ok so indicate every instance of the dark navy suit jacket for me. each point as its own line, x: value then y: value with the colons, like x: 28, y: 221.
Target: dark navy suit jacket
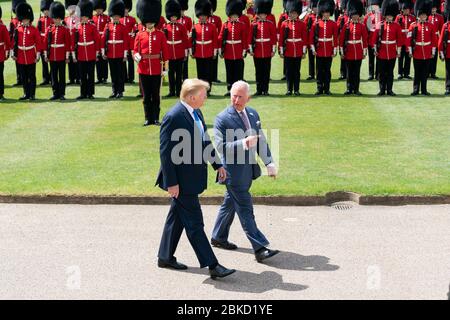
x: 191, y: 174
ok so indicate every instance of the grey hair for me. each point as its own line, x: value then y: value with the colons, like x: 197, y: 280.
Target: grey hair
x: 239, y: 84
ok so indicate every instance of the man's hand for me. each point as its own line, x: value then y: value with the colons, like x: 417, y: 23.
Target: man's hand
x: 271, y: 170
x: 251, y: 141
x: 174, y: 191
x: 222, y: 174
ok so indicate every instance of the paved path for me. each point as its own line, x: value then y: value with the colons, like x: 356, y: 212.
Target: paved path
x: 109, y: 252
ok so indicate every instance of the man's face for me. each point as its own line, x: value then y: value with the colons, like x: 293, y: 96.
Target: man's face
x: 293, y: 15
x: 45, y: 12
x: 99, y: 11
x: 406, y: 11
x: 262, y: 16
x: 326, y: 15
x: 389, y: 18
x: 197, y: 100
x: 234, y: 17
x: 26, y: 21
x: 173, y: 18
x: 423, y: 16
x: 239, y: 98
x: 116, y: 18
x: 57, y: 21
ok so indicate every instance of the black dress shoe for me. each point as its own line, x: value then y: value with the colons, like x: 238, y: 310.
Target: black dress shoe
x: 81, y: 97
x: 32, y: 98
x: 119, y: 96
x: 433, y: 76
x: 348, y: 92
x: 391, y: 93
x: 62, y: 98
x: 265, y: 254
x: 98, y: 82
x: 2, y: 97
x: 400, y: 77
x: 227, y: 94
x: 170, y: 95
x: 217, y: 81
x: 258, y: 93
x: 426, y: 93
x: 147, y: 123
x: 17, y: 84
x: 289, y: 93
x: 44, y: 83
x: 54, y: 98
x: 407, y: 77
x: 91, y: 97
x: 358, y: 93
x: 220, y: 271
x: 112, y: 96
x: 414, y: 93
x: 224, y: 245
x: 70, y: 83
x: 328, y: 93
x: 310, y: 78
x: 283, y: 79
x: 296, y: 93
x: 171, y: 264
x: 370, y: 78
x: 318, y: 93
x: 157, y: 123
x: 139, y: 96
x: 266, y: 93
x: 342, y: 77
x: 447, y: 93
x: 380, y: 93
x: 24, y: 97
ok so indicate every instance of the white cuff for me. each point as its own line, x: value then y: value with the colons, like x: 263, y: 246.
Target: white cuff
x: 67, y: 55
x: 73, y: 55
x: 186, y: 52
x: 137, y: 57
x: 274, y: 48
x: 243, y: 52
x: 335, y: 51
x: 103, y: 51
x: 215, y: 52
x: 125, y: 54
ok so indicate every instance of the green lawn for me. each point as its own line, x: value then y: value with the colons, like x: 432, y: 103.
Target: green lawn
x: 369, y: 145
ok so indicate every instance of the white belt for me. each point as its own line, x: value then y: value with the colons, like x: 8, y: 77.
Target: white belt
x: 389, y: 42
x: 175, y: 42
x: 262, y: 40
x: 115, y: 41
x: 204, y: 42
x: 2, y: 43
x: 26, y: 48
x: 294, y: 40
x: 325, y: 39
x: 423, y: 43
x: 448, y: 41
x: 101, y: 32
x: 405, y: 30
x: 233, y: 41
x: 57, y: 45
x: 43, y: 34
x: 354, y: 41
x: 85, y: 43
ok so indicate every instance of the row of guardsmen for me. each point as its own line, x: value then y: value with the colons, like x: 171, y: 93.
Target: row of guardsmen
x: 84, y: 42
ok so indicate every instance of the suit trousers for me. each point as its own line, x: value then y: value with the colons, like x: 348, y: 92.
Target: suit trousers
x: 421, y: 71
x: 102, y: 69
x: 324, y: 73
x: 28, y: 79
x: 185, y: 213
x: 175, y: 76
x: 262, y: 73
x: 86, y: 72
x: 353, y: 75
x: 293, y: 66
x: 404, y: 63
x: 151, y: 86
x: 386, y: 77
x: 117, y: 75
x: 58, y: 74
x: 238, y: 200
x: 235, y: 71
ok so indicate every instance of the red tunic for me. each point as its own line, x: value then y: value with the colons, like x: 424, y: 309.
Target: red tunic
x: 263, y: 38
x: 327, y: 40
x: 152, y: 47
x: 437, y: 20
x: 284, y: 16
x: 28, y: 44
x: 206, y: 42
x: 88, y: 42
x: 100, y: 21
x: 177, y: 40
x: 391, y: 41
x: 217, y: 21
x: 117, y: 44
x: 131, y: 27
x: 236, y: 40
x: 161, y: 23
x: 405, y: 22
x: 59, y: 47
x: 296, y: 40
x: 374, y: 24
x: 425, y: 40
x: 42, y: 25
x: 356, y: 42
x: 5, y: 44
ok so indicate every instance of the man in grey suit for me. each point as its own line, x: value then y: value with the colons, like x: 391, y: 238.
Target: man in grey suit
x: 239, y: 138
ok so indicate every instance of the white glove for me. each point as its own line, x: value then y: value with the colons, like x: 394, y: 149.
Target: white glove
x: 304, y: 50
x: 38, y: 56
x: 137, y: 57
x: 334, y: 51
x: 442, y: 55
x: 125, y: 54
x: 165, y: 73
x: 341, y: 51
x: 271, y: 170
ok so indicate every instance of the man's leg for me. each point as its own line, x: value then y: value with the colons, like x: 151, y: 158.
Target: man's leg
x: 224, y: 219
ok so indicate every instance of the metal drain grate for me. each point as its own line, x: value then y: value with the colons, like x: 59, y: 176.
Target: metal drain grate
x: 343, y: 205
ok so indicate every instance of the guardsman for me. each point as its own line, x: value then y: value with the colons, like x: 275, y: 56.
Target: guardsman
x: 405, y: 19
x: 43, y: 23
x: 437, y: 20
x: 27, y: 49
x: 187, y: 22
x: 13, y: 24
x: 372, y: 22
x: 204, y: 41
x: 263, y: 44
x: 5, y: 47
x: 422, y: 43
x: 283, y: 16
x: 57, y: 49
x: 100, y: 20
x: 444, y: 46
x: 324, y: 42
x: 341, y: 22
x: 353, y: 45
x: 87, y: 43
x: 387, y: 43
x: 72, y: 21
x: 115, y: 47
x: 309, y: 19
x: 233, y: 44
x: 150, y: 51
x: 131, y: 26
x: 244, y: 18
x: 217, y: 21
x: 292, y: 45
x: 178, y: 46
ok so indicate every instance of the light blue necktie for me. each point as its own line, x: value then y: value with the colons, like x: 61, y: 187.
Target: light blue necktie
x: 198, y: 122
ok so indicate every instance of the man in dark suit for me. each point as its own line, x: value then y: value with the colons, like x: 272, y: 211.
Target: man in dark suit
x: 185, y: 149
x: 238, y: 138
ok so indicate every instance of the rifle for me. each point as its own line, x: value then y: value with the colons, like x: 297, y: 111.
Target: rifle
x: 106, y: 39
x: 413, y: 39
x: 224, y: 39
x: 346, y: 36
x: 255, y: 30
x: 380, y: 36
x: 194, y: 39
x: 316, y: 34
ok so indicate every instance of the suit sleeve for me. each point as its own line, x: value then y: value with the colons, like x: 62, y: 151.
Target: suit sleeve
x: 166, y: 145
x: 220, y: 139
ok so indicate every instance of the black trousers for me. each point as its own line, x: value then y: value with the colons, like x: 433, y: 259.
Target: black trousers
x: 45, y: 71
x: 175, y: 76
x: 150, y: 87
x: 117, y: 75
x: 129, y: 72
x: 58, y: 75
x: 185, y: 213
x: 101, y: 67
x: 204, y: 70
x: 433, y: 65
x: 215, y: 68
x: 324, y: 73
x: 235, y: 71
x: 447, y: 74
x: 421, y: 71
x: 404, y: 63
x: 373, y: 68
x: 186, y: 69
x: 343, y: 68
x: 18, y: 73
x: 74, y: 74
x: 2, y: 78
x: 28, y: 79
x: 386, y: 77
x: 86, y: 71
x: 262, y: 73
x: 353, y: 75
x: 311, y: 61
x: 293, y: 66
